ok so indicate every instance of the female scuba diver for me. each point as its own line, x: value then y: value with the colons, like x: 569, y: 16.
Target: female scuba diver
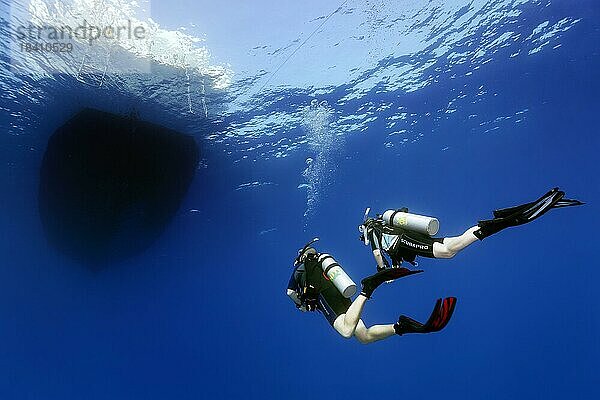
x: 402, y: 236
x: 318, y: 283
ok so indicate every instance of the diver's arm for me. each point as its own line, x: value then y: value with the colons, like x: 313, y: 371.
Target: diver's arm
x: 376, y: 248
x: 294, y: 296
x: 294, y: 288
x: 379, y: 258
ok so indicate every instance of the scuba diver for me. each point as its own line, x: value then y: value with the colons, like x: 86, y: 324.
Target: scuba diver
x: 402, y: 236
x: 318, y: 283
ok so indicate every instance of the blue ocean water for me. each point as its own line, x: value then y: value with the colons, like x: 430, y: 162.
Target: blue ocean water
x: 495, y: 104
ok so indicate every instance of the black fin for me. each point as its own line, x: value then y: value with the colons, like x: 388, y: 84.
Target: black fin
x: 524, y: 213
x: 370, y: 283
x: 506, y: 212
x: 568, y: 203
x: 539, y: 207
x: 509, y: 211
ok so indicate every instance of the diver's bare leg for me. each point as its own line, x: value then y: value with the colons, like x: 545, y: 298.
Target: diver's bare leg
x: 452, y: 245
x: 346, y: 323
x: 374, y: 333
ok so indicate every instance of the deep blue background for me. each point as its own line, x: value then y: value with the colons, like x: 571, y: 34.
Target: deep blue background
x: 204, y: 314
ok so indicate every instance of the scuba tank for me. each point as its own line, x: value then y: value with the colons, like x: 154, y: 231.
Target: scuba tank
x: 337, y: 276
x: 411, y: 222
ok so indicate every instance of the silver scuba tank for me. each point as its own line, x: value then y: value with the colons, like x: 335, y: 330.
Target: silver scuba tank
x: 337, y: 276
x: 412, y: 222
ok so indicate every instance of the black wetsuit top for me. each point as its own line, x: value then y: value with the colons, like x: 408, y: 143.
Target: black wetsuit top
x: 403, y: 246
x: 330, y: 301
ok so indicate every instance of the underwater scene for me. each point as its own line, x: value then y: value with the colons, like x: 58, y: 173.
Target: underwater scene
x: 299, y: 199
